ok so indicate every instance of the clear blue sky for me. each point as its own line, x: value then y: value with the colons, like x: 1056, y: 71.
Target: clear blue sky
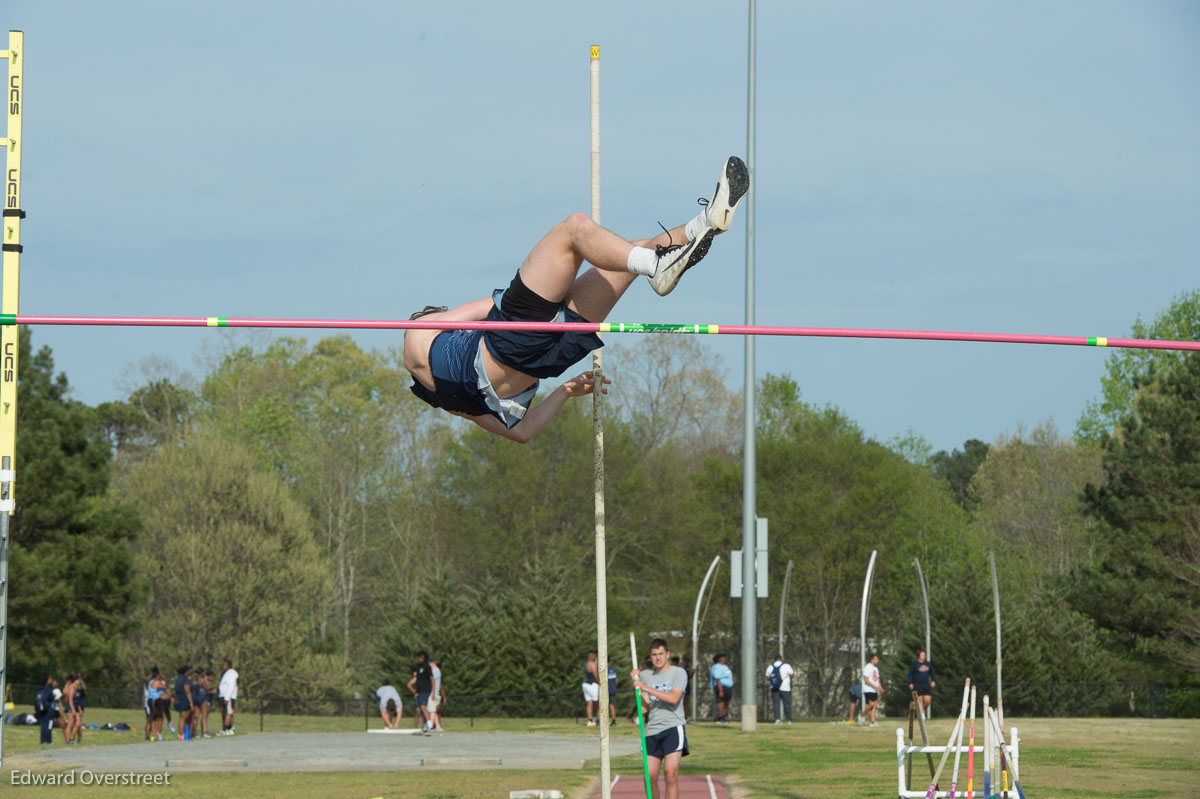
x: 1011, y: 167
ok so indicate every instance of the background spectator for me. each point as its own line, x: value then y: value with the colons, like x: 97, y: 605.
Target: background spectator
x: 720, y: 677
x: 227, y: 691
x: 390, y: 707
x: 779, y: 674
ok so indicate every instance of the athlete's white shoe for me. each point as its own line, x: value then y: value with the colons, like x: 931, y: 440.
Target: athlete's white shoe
x: 676, y: 259
x: 731, y: 189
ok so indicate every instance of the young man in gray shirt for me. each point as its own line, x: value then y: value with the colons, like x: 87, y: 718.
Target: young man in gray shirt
x: 662, y: 691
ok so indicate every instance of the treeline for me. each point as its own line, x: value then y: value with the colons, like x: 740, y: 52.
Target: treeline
x: 298, y: 511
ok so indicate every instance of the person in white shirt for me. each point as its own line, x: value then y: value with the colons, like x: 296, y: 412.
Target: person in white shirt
x: 227, y: 691
x: 390, y: 708
x: 779, y: 675
x: 872, y: 688
x: 437, y: 698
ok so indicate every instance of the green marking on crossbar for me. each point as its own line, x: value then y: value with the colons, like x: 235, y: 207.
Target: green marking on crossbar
x: 650, y: 327
x: 218, y: 321
x: 8, y: 318
x: 1097, y: 341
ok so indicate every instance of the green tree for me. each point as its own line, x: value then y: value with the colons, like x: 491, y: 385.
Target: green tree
x: 338, y: 425
x: 71, y: 571
x: 232, y: 566
x: 155, y: 414
x: 1180, y: 322
x: 670, y: 390
x: 517, y: 632
x: 1145, y: 584
x: 958, y: 467
x: 1028, y: 492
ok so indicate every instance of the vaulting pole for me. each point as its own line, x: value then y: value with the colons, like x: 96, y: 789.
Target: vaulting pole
x: 925, y: 602
x: 598, y: 442
x: 996, y: 601
x: 787, y: 576
x: 696, y: 625
x: 10, y: 335
x: 862, y: 630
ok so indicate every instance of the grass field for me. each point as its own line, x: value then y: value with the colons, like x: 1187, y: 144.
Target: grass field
x: 1093, y: 758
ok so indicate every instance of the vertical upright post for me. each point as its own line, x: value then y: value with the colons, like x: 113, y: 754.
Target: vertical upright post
x: 749, y: 499
x: 787, y: 576
x: 862, y: 629
x: 925, y: 601
x: 598, y: 441
x: 996, y: 602
x: 10, y: 334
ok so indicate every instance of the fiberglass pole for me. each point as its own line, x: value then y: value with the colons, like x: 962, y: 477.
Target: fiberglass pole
x: 925, y: 602
x: 862, y: 629
x: 787, y: 575
x: 696, y: 626
x: 996, y: 602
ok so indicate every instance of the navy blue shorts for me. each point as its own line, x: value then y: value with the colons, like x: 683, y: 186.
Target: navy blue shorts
x: 422, y: 698
x: 452, y: 363
x: 661, y: 744
x: 537, y: 353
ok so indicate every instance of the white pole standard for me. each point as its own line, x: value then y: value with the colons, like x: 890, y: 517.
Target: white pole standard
x: 987, y: 750
x: 11, y: 335
x: 996, y: 602
x: 862, y: 631
x: 696, y: 627
x: 598, y: 439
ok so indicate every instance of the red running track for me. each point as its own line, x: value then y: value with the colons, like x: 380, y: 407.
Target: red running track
x: 691, y: 786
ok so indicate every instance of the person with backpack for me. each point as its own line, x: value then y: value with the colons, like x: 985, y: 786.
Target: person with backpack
x: 780, y: 676
x: 43, y: 708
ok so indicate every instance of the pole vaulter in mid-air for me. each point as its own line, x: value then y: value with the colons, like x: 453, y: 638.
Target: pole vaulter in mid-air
x: 491, y: 377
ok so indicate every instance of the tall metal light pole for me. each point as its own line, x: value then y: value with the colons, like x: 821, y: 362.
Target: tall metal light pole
x: 749, y: 503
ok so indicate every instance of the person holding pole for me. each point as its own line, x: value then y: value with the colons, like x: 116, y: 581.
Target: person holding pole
x: 491, y: 377
x: 661, y: 689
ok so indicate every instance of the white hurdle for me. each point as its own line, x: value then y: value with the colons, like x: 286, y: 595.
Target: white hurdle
x: 1012, y: 751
